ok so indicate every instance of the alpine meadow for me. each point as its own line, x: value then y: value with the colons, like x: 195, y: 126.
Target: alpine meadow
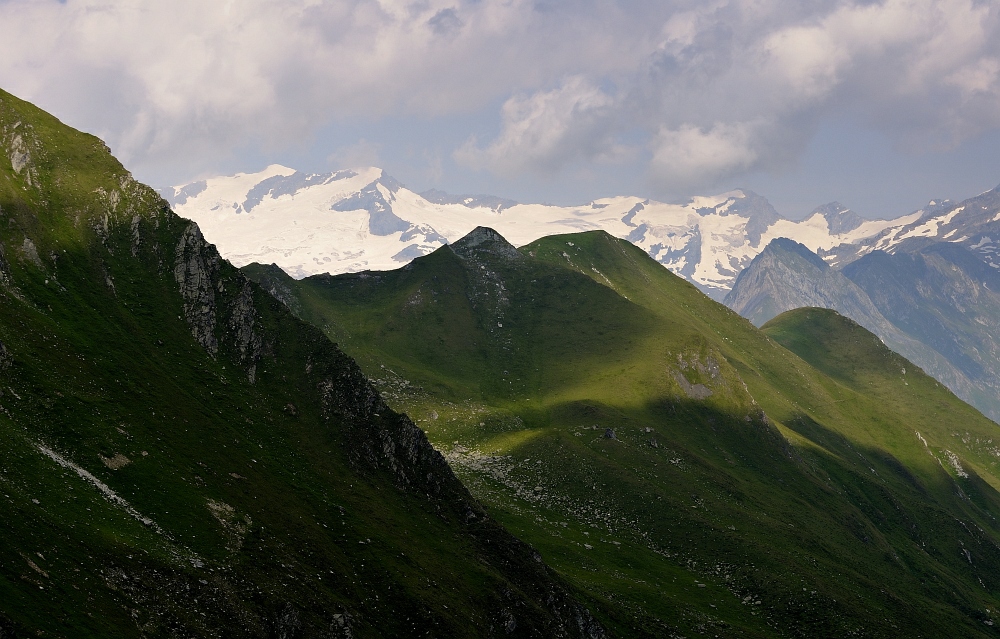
x: 685, y: 471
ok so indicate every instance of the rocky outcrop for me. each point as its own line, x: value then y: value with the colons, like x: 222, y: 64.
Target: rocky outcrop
x: 19, y: 153
x: 383, y: 440
x: 242, y: 330
x: 4, y: 266
x: 5, y: 358
x: 196, y: 270
x: 485, y: 240
x: 29, y: 253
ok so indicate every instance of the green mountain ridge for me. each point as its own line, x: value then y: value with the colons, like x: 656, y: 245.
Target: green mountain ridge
x: 935, y: 302
x: 180, y: 456
x: 786, y: 275
x: 686, y: 470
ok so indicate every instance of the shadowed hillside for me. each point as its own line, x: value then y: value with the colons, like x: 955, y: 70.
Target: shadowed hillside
x: 180, y: 456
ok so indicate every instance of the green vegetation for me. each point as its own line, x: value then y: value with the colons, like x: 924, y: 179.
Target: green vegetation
x: 180, y: 456
x: 688, y: 473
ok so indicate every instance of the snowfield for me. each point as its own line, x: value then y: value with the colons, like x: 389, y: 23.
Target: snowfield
x: 362, y: 219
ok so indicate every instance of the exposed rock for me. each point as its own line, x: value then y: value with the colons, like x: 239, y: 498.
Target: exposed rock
x: 7, y: 628
x: 5, y: 358
x: 340, y: 626
x: 485, y: 240
x: 136, y: 238
x: 4, y: 267
x: 30, y: 253
x: 20, y: 157
x: 235, y: 527
x: 381, y: 439
x: 509, y: 621
x: 116, y: 461
x: 705, y: 371
x: 273, y: 282
x: 609, y: 433
x: 102, y: 227
x: 242, y: 329
x: 890, y: 294
x: 288, y: 624
x: 694, y: 391
x: 495, y: 204
x: 195, y: 271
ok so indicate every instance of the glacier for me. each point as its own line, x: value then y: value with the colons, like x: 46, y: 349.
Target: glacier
x: 362, y: 219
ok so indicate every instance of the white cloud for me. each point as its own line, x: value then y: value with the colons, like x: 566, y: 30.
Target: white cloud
x: 689, y: 157
x: 185, y: 81
x: 547, y: 130
x: 360, y: 154
x: 166, y: 79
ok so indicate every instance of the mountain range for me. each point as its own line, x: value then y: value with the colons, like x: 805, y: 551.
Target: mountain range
x: 930, y: 291
x: 355, y: 220
x: 734, y: 247
x: 556, y: 439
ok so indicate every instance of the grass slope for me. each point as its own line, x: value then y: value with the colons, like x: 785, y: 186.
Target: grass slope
x: 747, y: 490
x: 180, y: 456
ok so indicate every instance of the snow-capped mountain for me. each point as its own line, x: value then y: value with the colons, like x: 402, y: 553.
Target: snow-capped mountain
x: 362, y: 219
x: 973, y: 223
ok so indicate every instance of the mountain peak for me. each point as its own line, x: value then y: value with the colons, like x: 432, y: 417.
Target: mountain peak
x: 791, y: 246
x: 839, y: 218
x: 483, y: 239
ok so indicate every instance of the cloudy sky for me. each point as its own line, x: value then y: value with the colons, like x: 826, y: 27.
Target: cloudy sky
x: 881, y: 105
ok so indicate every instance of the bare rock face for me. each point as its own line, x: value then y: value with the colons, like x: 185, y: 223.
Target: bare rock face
x: 30, y: 253
x: 5, y: 358
x: 242, y: 325
x: 207, y: 304
x: 4, y: 267
x: 19, y: 156
x: 195, y: 271
x: 485, y: 240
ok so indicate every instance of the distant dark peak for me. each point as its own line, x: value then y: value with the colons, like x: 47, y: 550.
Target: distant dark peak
x: 491, y: 202
x: 745, y: 203
x: 627, y: 219
x: 484, y: 240
x: 180, y: 197
x: 754, y: 206
x: 390, y: 183
x: 381, y: 219
x: 759, y: 211
x: 638, y: 234
x: 938, y: 202
x: 839, y: 218
x: 791, y: 246
x: 278, y: 185
x: 436, y: 196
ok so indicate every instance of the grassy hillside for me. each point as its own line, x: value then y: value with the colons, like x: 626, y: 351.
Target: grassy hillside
x: 945, y: 296
x: 180, y: 456
x: 679, y: 466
